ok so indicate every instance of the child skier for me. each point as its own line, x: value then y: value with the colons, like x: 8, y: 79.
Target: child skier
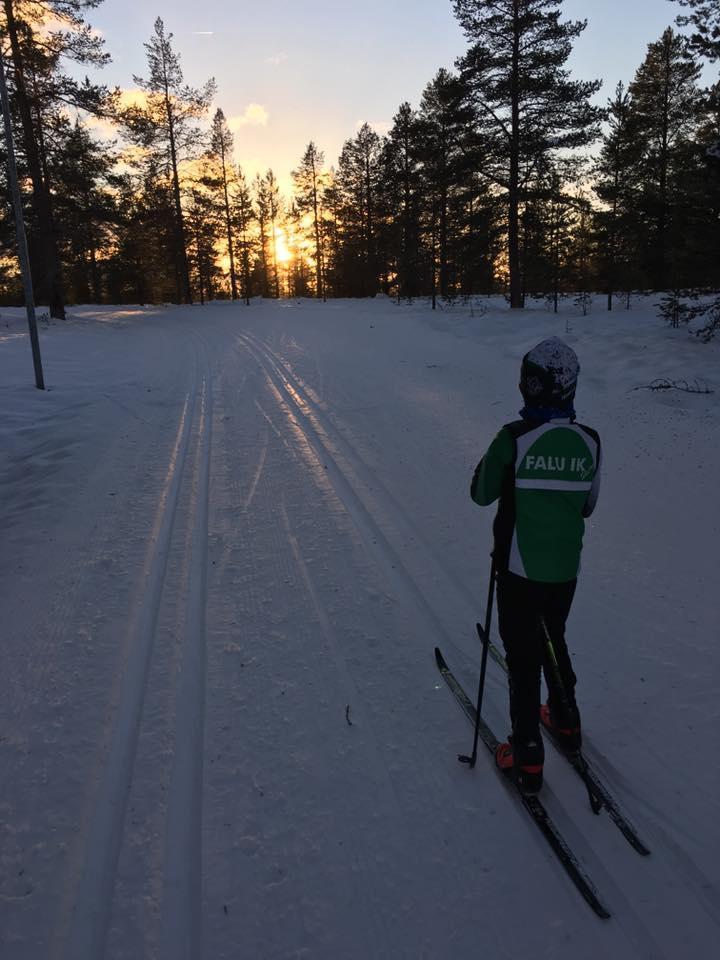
x: 544, y: 469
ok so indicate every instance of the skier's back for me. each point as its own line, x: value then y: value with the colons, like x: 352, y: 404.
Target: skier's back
x: 544, y: 470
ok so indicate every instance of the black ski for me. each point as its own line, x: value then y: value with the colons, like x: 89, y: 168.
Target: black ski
x: 597, y: 789
x: 600, y: 797
x: 532, y: 804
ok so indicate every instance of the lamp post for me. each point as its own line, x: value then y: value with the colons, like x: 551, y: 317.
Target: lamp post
x: 20, y: 230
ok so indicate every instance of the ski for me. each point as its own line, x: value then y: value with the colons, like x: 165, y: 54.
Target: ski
x: 598, y: 789
x: 532, y: 804
x: 600, y: 796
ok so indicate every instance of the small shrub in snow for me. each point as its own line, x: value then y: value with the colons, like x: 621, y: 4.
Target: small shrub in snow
x: 673, y: 309
x: 688, y: 306
x: 661, y: 383
x: 708, y: 321
x: 583, y: 301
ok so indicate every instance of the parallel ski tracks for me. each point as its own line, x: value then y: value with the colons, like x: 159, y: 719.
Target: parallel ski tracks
x: 105, y: 835
x: 323, y: 440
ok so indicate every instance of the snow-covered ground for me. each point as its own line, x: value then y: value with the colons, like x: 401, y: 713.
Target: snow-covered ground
x: 230, y: 539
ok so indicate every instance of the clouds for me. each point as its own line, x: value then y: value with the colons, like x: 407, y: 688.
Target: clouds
x: 276, y: 59
x: 255, y: 115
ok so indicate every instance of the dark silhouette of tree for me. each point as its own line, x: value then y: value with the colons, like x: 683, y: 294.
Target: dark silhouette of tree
x: 243, y: 217
x: 705, y: 21
x: 221, y: 148
x: 166, y: 127
x: 665, y: 109
x: 616, y: 184
x: 526, y: 105
x: 308, y: 198
x: 41, y: 35
x: 356, y: 183
x: 268, y: 205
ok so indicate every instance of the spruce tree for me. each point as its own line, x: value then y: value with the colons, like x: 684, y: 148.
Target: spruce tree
x: 527, y: 107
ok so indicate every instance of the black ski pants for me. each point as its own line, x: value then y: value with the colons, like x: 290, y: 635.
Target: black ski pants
x: 522, y: 605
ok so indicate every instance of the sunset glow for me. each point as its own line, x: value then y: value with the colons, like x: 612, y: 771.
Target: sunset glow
x: 282, y: 251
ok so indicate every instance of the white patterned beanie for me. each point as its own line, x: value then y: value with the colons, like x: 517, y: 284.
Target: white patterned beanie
x: 549, y: 372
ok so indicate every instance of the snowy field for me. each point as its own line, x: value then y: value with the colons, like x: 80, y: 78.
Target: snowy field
x: 230, y: 539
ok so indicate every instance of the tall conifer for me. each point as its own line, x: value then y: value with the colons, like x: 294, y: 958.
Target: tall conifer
x: 526, y: 104
x: 166, y: 127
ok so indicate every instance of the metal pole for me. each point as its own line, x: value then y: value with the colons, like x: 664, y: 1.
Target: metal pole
x: 20, y: 230
x: 485, y: 637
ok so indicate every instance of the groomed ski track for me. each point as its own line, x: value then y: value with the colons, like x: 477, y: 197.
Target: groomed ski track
x: 229, y: 738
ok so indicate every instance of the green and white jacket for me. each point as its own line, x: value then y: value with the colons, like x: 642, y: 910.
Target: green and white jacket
x: 547, y: 478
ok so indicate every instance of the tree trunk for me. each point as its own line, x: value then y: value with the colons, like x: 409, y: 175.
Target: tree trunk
x: 48, y: 270
x: 319, y: 283
x: 514, y: 184
x: 233, y: 281
x: 182, y: 260
x: 371, y: 274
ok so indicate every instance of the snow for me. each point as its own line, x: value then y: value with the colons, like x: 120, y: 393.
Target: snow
x: 231, y: 538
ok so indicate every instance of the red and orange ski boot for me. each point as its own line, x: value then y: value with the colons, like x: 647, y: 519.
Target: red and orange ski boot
x: 526, y: 766
x: 569, y: 738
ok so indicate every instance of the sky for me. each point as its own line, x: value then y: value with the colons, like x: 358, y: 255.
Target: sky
x: 289, y: 72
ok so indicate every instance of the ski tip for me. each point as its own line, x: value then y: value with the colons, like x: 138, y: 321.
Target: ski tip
x: 481, y: 630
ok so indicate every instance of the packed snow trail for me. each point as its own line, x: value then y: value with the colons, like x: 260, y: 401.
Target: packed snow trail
x: 222, y: 730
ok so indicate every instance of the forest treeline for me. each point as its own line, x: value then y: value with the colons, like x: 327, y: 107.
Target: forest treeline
x: 506, y: 177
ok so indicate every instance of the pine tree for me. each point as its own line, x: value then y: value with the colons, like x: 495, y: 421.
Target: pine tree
x: 527, y: 107
x: 166, y: 127
x: 262, y: 208
x: 308, y: 180
x: 299, y: 273
x: 402, y: 191
x: 221, y: 147
x: 205, y: 226
x: 357, y: 182
x: 85, y: 208
x: 616, y: 184
x: 42, y: 34
x: 331, y: 205
x: 705, y: 21
x: 446, y: 143
x: 269, y: 205
x: 665, y: 113
x: 243, y: 217
x: 139, y: 269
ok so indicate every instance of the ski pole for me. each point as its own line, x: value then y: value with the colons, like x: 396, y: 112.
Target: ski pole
x: 483, y: 666
x: 561, y: 693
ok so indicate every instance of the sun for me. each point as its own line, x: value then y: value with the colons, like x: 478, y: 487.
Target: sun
x: 282, y: 251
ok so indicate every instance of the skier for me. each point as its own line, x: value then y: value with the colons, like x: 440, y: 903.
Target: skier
x: 545, y: 471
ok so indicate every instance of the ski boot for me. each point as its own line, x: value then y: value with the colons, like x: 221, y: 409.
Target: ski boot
x: 569, y: 737
x: 525, y: 762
